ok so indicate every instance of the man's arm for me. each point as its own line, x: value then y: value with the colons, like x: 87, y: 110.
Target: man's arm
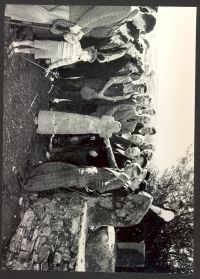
x: 166, y: 215
x: 121, y: 79
x: 106, y: 86
x: 113, y: 80
x: 117, y: 98
x: 156, y: 209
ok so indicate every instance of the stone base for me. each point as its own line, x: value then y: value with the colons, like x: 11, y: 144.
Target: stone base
x: 100, y: 250
x: 48, y: 235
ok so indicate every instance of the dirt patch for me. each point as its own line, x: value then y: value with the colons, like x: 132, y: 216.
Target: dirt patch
x: 22, y: 82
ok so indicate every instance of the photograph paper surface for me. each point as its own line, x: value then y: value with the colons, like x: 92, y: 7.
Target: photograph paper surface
x: 98, y: 138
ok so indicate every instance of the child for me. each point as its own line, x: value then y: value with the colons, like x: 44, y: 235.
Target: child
x: 59, y: 53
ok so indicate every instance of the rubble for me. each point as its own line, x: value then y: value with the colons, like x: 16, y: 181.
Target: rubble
x: 47, y: 236
x: 53, y: 233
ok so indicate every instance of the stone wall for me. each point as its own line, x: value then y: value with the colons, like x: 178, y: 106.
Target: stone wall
x: 48, y: 235
x: 117, y: 211
x: 101, y: 250
x: 53, y: 232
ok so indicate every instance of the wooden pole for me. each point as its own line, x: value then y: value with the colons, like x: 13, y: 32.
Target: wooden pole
x: 26, y: 24
x: 110, y: 155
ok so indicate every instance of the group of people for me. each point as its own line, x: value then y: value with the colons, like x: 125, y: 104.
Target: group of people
x: 94, y: 56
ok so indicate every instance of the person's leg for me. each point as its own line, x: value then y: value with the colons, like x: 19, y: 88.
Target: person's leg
x: 73, y: 95
x: 63, y: 141
x: 98, y: 114
x: 24, y: 50
x: 23, y: 43
x: 62, y: 156
x: 68, y: 148
x: 77, y: 83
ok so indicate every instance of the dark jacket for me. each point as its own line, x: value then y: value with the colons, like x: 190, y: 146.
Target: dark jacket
x: 54, y: 175
x: 120, y: 142
x: 99, y: 70
x: 137, y: 128
x: 141, y: 231
x: 121, y: 160
x: 80, y: 154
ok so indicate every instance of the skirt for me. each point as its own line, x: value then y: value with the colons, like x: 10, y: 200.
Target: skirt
x: 47, y: 49
x: 44, y: 14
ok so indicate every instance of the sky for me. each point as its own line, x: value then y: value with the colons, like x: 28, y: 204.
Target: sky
x: 175, y: 43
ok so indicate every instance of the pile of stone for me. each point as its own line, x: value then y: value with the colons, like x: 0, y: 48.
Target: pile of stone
x: 101, y: 250
x: 47, y: 237
x: 72, y: 232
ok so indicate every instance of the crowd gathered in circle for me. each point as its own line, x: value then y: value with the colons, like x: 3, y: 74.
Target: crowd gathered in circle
x: 95, y: 57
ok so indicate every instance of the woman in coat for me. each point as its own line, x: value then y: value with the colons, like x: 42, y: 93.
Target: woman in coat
x: 54, y: 175
x: 85, y: 17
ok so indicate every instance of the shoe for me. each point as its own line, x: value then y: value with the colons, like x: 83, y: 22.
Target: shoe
x: 9, y: 48
x: 51, y: 144
x: 48, y: 156
x: 20, y: 181
x: 36, y: 120
x: 11, y: 54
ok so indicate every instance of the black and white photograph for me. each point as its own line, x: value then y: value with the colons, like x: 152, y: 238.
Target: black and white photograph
x: 98, y: 138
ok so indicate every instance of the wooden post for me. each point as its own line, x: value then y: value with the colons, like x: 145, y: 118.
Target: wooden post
x: 29, y: 24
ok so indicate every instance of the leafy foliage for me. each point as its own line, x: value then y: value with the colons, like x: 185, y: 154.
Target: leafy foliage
x: 171, y: 250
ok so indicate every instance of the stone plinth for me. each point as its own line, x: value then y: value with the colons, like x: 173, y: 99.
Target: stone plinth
x: 101, y: 250
x: 55, y: 122
x: 117, y: 211
x: 48, y: 236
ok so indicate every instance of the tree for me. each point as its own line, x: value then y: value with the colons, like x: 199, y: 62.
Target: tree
x: 171, y: 250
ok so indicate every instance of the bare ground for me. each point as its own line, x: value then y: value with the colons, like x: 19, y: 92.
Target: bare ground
x: 22, y: 82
